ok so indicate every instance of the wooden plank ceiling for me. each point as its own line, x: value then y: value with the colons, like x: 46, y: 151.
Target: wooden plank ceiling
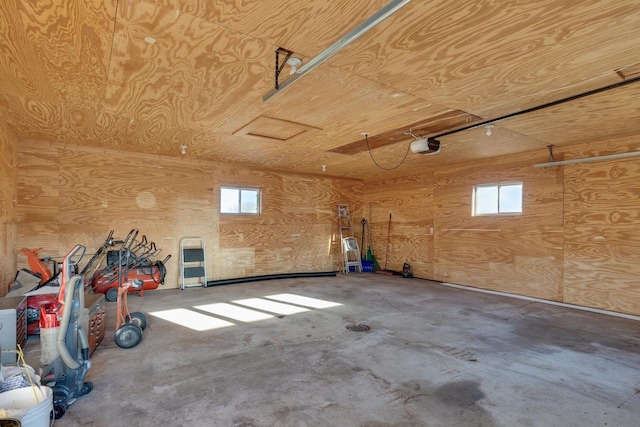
x: 151, y: 76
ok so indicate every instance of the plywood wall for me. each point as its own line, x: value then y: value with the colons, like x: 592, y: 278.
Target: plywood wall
x: 433, y: 229
x: 7, y: 208
x: 520, y: 254
x: 602, y: 234
x: 70, y: 195
x: 577, y: 240
x: 409, y: 202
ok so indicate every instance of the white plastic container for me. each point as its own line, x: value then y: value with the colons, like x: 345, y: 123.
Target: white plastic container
x: 48, y: 345
x: 21, y: 404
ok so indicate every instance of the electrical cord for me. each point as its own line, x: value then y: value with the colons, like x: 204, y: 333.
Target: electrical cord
x: 366, y: 137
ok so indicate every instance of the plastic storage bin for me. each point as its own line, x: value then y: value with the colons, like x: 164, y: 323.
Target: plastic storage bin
x: 367, y: 266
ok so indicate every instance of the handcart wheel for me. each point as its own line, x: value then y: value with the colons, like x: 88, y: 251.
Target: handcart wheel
x: 137, y: 318
x: 128, y: 335
x: 59, y: 410
x: 111, y: 295
x: 86, y: 388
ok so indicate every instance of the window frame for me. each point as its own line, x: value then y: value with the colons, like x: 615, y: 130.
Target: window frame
x: 240, y: 189
x: 497, y: 185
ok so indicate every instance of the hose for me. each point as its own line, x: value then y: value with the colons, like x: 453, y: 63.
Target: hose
x: 82, y: 335
x: 68, y: 360
x: 270, y: 277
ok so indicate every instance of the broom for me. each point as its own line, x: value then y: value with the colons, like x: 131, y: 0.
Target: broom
x: 369, y: 256
x: 386, y: 255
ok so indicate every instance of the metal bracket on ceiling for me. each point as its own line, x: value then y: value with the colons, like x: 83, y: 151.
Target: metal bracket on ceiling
x: 336, y: 47
x: 410, y: 133
x: 280, y: 66
x: 550, y: 147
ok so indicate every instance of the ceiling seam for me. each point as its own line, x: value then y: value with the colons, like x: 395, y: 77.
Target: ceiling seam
x: 113, y: 38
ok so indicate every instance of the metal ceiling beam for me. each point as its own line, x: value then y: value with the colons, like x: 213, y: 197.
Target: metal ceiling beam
x: 589, y: 159
x: 347, y: 39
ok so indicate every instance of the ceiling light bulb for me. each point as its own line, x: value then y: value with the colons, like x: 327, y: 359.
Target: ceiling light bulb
x: 183, y: 149
x: 294, y: 63
x: 324, y: 168
x: 489, y: 130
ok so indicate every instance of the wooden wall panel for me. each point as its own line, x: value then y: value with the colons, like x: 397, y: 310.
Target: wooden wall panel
x: 601, y: 267
x: 520, y: 254
x: 602, y: 246
x: 576, y: 241
x: 542, y: 192
x: 604, y: 193
x: 38, y: 168
x: 409, y: 200
x: 76, y: 195
x: 8, y: 168
x: 66, y: 196
x: 519, y: 260
x: 297, y: 229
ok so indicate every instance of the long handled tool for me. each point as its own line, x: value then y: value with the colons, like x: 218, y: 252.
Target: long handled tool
x: 369, y: 255
x: 386, y: 255
x: 364, y: 223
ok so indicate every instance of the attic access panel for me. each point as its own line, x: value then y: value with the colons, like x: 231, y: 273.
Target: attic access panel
x: 273, y: 129
x: 433, y: 125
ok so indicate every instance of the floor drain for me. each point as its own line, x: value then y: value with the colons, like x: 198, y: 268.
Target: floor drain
x: 358, y: 327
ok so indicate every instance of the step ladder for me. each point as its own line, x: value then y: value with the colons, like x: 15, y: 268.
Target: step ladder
x: 348, y: 243
x: 193, y: 263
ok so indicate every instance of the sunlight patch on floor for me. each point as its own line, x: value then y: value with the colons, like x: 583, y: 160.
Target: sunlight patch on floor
x: 233, y: 312
x: 241, y: 310
x: 270, y: 306
x: 191, y: 319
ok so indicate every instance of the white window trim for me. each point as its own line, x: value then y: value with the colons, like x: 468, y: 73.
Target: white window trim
x: 496, y: 184
x: 235, y: 187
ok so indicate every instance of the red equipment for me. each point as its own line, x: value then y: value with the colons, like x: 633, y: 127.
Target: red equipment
x: 37, y: 265
x: 150, y: 277
x: 64, y: 345
x: 39, y: 268
x: 129, y: 325
x: 130, y: 264
x: 34, y: 305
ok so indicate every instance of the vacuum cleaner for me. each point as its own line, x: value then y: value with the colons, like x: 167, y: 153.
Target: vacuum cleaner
x: 64, y: 347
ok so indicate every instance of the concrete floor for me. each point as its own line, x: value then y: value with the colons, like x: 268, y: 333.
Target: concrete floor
x: 435, y: 356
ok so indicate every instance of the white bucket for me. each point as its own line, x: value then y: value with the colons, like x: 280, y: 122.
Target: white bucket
x: 21, y: 404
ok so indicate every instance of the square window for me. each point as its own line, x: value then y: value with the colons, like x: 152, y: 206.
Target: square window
x: 239, y: 201
x: 494, y: 199
x: 510, y: 199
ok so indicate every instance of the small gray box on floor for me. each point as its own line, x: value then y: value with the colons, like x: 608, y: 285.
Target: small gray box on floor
x: 12, y: 326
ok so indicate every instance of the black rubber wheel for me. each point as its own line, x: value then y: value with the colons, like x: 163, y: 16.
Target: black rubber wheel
x: 128, y: 336
x: 86, y: 388
x: 59, y: 410
x: 111, y: 294
x: 137, y: 318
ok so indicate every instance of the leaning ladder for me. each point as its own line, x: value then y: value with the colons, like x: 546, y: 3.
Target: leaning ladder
x: 348, y: 243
